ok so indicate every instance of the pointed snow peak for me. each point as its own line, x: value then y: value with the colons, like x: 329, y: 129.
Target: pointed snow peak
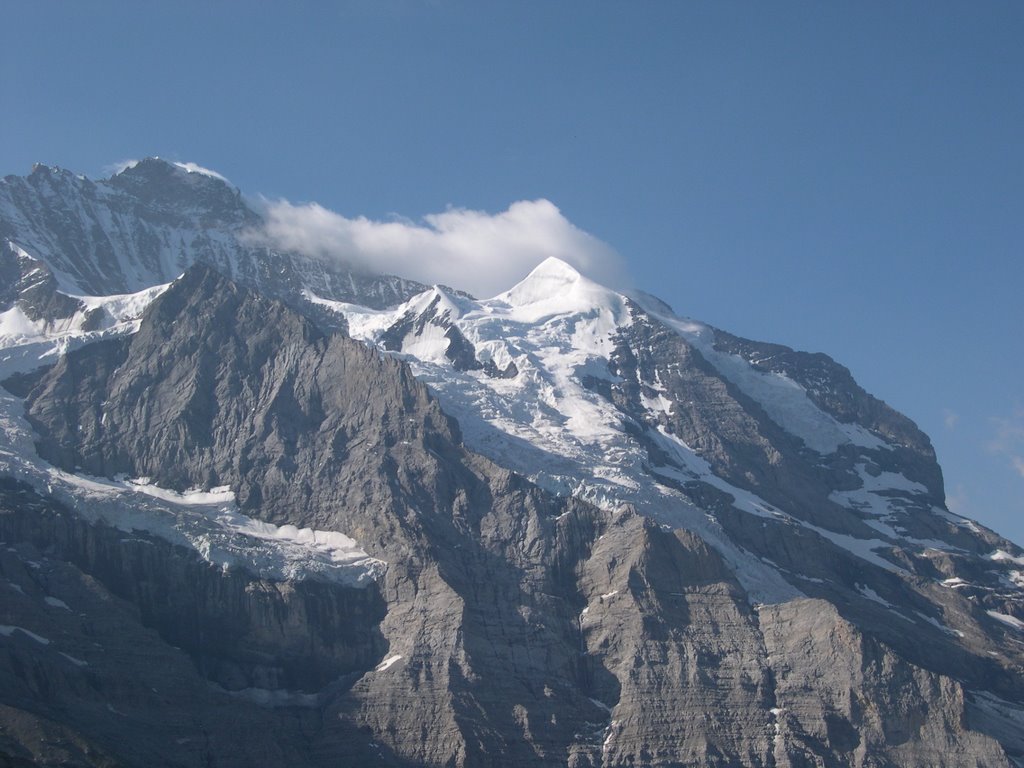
x: 549, y: 279
x: 554, y: 273
x: 554, y: 267
x: 448, y: 301
x: 436, y: 301
x: 556, y: 288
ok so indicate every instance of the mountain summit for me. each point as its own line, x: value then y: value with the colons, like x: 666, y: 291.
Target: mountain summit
x: 546, y: 281
x: 261, y: 510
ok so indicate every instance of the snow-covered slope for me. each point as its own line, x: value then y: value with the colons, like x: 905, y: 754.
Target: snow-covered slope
x: 585, y: 390
x: 558, y: 329
x: 578, y: 387
x: 141, y: 227
x: 787, y: 503
x: 149, y: 222
x: 206, y: 521
x: 26, y: 344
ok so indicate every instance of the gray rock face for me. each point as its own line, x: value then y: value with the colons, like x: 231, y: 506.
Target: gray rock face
x: 321, y: 431
x: 29, y: 285
x: 745, y: 446
x: 515, y: 628
x: 832, y: 388
x: 508, y: 625
x: 123, y: 650
x: 242, y: 632
x: 723, y: 425
x: 843, y: 699
x: 149, y: 223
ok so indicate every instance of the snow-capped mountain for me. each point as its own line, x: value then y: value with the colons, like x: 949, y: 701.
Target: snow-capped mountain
x: 616, y: 400
x: 395, y: 524
x: 147, y: 224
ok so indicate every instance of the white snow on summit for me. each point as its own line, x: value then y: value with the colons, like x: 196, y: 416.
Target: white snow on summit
x: 558, y: 327
x: 554, y: 287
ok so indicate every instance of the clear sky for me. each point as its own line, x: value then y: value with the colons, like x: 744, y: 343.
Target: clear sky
x: 840, y: 177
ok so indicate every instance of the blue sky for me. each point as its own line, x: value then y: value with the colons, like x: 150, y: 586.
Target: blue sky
x: 843, y: 177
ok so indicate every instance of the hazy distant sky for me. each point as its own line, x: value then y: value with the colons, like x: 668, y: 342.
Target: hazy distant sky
x: 843, y: 177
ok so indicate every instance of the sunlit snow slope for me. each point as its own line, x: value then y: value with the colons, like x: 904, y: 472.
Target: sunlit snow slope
x: 592, y: 392
x: 805, y: 484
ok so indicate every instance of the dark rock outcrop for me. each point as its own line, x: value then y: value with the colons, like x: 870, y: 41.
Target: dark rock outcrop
x: 832, y: 388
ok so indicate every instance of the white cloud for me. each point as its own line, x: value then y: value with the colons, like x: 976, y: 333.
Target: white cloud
x: 196, y: 168
x: 479, y: 252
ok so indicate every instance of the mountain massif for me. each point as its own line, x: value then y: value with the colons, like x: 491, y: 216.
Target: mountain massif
x: 263, y: 509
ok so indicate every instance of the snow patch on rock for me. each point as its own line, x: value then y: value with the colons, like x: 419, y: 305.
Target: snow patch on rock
x: 8, y: 630
x: 206, y: 521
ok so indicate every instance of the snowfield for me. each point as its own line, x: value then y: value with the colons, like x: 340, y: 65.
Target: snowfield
x: 556, y: 327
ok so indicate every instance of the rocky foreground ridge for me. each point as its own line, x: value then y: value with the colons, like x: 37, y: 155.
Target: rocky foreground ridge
x: 301, y: 516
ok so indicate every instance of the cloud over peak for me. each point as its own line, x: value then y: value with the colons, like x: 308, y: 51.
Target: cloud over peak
x: 476, y: 251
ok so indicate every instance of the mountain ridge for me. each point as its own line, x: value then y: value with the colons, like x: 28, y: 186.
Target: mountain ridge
x: 655, y: 525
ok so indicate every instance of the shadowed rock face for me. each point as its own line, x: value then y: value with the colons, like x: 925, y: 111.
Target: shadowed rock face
x: 29, y: 285
x: 149, y: 223
x: 726, y: 428
x: 851, y: 699
x: 223, y: 387
x: 141, y: 654
x: 742, y: 443
x: 510, y: 627
x: 832, y: 388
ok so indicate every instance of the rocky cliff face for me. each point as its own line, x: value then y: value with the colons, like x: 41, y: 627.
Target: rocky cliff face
x: 529, y: 531
x: 139, y: 653
x: 148, y: 223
